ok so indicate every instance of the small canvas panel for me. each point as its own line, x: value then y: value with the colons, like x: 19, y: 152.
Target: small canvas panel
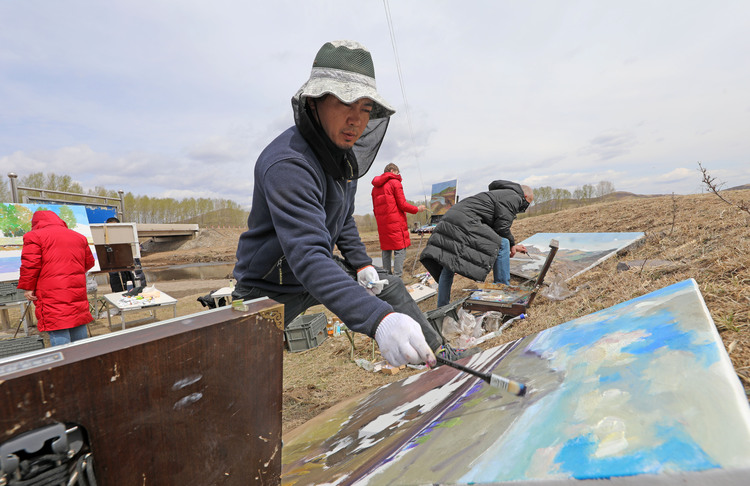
x: 443, y: 197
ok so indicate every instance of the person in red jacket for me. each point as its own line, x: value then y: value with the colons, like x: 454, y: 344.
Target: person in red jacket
x: 54, y: 262
x: 390, y: 207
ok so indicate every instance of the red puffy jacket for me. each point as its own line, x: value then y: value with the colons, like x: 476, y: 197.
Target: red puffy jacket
x: 390, y: 207
x: 54, y: 261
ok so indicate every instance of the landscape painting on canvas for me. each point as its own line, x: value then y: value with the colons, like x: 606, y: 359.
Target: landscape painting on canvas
x: 15, y: 221
x: 577, y: 253
x: 443, y: 197
x: 643, y: 387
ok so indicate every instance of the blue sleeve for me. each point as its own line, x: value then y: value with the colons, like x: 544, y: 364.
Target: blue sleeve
x: 294, y: 194
x: 350, y: 244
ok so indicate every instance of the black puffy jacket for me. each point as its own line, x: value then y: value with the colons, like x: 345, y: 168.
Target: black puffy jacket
x: 467, y: 238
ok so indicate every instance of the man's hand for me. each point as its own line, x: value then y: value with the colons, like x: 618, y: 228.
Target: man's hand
x: 518, y: 249
x: 401, y: 341
x: 368, y: 278
x: 421, y: 207
x: 29, y: 294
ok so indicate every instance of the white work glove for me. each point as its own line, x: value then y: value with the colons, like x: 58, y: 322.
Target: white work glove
x: 401, y: 341
x: 368, y: 278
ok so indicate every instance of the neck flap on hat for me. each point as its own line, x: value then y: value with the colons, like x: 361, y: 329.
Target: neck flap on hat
x: 339, y: 163
x: 336, y: 162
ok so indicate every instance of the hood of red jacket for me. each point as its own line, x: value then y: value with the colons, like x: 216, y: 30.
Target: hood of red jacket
x: 380, y: 180
x: 42, y: 219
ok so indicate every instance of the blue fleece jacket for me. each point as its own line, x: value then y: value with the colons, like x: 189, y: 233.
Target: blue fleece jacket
x: 298, y: 214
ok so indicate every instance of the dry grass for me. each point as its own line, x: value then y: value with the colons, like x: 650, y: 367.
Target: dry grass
x: 701, y: 236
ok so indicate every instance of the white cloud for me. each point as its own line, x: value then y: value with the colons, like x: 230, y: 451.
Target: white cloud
x: 180, y: 98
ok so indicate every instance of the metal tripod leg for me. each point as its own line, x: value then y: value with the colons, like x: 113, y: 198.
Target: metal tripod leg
x: 414, y: 265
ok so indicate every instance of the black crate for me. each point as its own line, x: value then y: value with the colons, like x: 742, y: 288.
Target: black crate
x: 306, y: 332
x: 9, y: 292
x: 9, y: 347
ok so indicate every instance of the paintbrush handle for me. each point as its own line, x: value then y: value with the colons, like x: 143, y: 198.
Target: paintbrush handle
x: 478, y: 374
x: 511, y: 386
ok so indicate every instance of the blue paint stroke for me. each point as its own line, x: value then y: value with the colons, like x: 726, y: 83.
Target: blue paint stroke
x: 676, y: 453
x: 663, y: 328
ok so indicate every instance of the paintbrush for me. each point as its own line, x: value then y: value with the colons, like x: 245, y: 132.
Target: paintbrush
x: 497, y: 381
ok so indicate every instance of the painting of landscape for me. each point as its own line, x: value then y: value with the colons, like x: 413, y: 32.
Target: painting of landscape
x: 577, y: 253
x: 15, y: 221
x: 443, y: 197
x: 643, y: 387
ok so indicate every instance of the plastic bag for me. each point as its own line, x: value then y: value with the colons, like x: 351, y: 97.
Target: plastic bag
x: 450, y: 330
x: 463, y: 333
x: 557, y: 290
x: 91, y: 285
x: 491, y: 320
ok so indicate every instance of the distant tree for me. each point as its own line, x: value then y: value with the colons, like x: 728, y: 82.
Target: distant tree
x: 141, y: 209
x: 5, y: 194
x: 542, y: 194
x: 33, y: 180
x: 603, y: 188
x: 584, y: 193
x: 560, y: 196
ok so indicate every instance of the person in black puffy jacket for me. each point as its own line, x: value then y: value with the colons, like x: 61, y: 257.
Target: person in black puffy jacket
x: 474, y: 236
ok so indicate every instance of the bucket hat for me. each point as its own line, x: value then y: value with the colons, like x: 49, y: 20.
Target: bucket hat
x: 344, y: 69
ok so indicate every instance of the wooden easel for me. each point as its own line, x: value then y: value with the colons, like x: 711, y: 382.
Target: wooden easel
x: 521, y: 300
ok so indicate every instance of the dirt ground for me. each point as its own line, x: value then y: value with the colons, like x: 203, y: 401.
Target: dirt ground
x: 697, y: 236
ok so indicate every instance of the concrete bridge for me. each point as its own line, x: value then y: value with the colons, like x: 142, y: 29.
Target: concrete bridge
x: 166, y: 232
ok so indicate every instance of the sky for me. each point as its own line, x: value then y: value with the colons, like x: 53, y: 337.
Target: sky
x: 178, y: 98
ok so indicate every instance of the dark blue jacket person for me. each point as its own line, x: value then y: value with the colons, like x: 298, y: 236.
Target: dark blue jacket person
x: 305, y: 182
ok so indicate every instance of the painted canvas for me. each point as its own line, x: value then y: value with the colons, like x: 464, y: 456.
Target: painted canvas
x: 643, y: 387
x: 443, y: 197
x: 15, y: 221
x: 577, y: 253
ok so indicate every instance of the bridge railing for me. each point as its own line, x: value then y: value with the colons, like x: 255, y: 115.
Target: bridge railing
x: 117, y: 203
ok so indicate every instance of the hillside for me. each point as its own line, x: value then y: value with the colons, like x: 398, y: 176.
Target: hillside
x: 699, y: 235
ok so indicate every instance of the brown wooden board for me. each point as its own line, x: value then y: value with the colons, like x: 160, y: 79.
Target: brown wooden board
x: 195, y: 400
x: 116, y: 257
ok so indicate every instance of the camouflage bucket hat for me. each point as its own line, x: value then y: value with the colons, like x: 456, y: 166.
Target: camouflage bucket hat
x: 344, y: 69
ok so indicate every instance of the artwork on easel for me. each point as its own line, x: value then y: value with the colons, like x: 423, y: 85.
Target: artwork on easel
x: 643, y: 387
x: 443, y: 197
x: 15, y: 221
x: 578, y: 252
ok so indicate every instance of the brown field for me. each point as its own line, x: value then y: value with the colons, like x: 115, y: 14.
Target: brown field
x: 699, y: 235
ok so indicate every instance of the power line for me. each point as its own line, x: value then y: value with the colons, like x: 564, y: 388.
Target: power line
x: 403, y: 93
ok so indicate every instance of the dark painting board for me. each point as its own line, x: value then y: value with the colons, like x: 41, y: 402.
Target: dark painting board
x: 193, y: 400
x: 577, y: 252
x: 644, y: 388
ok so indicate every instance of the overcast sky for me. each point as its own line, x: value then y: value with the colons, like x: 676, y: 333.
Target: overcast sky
x: 177, y: 98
